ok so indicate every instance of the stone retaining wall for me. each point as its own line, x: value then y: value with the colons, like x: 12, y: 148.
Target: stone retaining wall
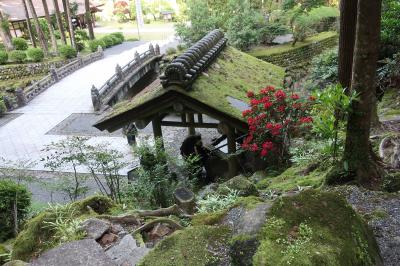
x: 27, y: 70
x: 300, y: 54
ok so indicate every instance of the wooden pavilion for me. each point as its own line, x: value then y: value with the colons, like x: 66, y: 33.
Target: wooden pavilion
x: 210, y: 80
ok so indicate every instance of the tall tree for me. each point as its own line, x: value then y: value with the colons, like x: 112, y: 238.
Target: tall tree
x: 67, y: 10
x: 42, y: 40
x: 59, y: 21
x: 358, y: 156
x: 28, y: 23
x: 50, y: 26
x: 348, y: 22
x: 5, y: 32
x: 66, y: 18
x: 88, y: 17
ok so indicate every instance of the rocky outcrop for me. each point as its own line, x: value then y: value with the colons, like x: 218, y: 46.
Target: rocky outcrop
x: 95, y: 228
x: 127, y: 252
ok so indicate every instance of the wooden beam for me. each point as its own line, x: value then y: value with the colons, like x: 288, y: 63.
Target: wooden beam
x: 190, y: 119
x: 183, y: 118
x: 188, y: 124
x: 230, y: 134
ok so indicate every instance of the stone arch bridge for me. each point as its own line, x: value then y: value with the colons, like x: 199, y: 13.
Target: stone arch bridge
x: 129, y: 79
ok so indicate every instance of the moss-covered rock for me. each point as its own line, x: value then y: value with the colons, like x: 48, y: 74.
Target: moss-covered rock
x: 16, y: 263
x: 208, y: 218
x: 37, y: 236
x: 391, y: 182
x: 316, y: 228
x: 197, y: 245
x: 98, y: 203
x: 240, y: 184
x: 242, y: 249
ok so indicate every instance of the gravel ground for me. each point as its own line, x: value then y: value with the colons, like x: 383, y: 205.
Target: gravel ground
x: 383, y: 213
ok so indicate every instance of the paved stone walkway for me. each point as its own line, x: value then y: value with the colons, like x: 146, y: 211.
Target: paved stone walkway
x: 25, y: 136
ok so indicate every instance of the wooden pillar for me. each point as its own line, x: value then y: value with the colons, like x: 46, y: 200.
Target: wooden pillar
x: 232, y: 160
x: 157, y: 131
x: 190, y: 118
x: 200, y: 118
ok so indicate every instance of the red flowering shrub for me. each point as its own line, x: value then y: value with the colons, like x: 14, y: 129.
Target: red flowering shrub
x: 273, y: 118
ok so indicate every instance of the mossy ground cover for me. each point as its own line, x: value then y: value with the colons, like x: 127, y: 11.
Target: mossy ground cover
x: 315, y: 228
x: 389, y: 107
x: 262, y: 51
x: 291, y: 179
x: 192, y: 246
x: 37, y: 236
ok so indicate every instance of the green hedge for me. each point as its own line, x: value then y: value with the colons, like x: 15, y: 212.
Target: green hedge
x: 17, y: 56
x: 67, y: 52
x: 94, y: 44
x: 3, y: 107
x: 3, y: 57
x: 9, y: 191
x: 20, y: 44
x: 35, y: 54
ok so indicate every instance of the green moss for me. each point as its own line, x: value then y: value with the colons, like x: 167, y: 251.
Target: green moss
x: 377, y: 214
x: 316, y: 228
x: 248, y: 202
x: 208, y: 218
x: 291, y: 179
x: 191, y: 246
x: 267, y: 51
x: 389, y: 106
x: 239, y: 183
x: 232, y: 74
x: 391, y: 182
x: 97, y: 203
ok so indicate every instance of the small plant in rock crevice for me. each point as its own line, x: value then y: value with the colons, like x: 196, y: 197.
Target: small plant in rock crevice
x: 215, y: 202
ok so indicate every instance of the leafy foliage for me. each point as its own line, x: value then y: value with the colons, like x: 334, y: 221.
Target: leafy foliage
x: 390, y: 27
x: 119, y: 35
x: 216, y: 202
x: 17, y: 56
x: 3, y: 57
x: 35, y: 54
x: 324, y: 68
x: 3, y: 108
x: 81, y: 36
x: 12, y: 194
x: 94, y: 44
x: 108, y: 41
x: 67, y: 52
x: 20, y: 43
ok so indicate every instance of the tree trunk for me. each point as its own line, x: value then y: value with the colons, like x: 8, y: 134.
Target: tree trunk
x: 357, y: 155
x: 42, y: 40
x: 29, y: 25
x: 66, y: 18
x: 5, y: 32
x: 70, y: 27
x: 348, y: 21
x: 88, y: 18
x: 51, y: 30
x: 59, y: 21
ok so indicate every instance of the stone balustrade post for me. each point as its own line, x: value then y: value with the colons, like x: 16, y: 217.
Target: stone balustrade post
x: 96, y: 98
x: 158, y: 49
x: 151, y: 48
x: 54, y: 74
x: 118, y: 72
x: 99, y: 49
x: 137, y: 57
x: 21, y: 98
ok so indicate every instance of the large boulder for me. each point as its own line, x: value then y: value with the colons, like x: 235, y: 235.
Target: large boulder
x: 77, y: 253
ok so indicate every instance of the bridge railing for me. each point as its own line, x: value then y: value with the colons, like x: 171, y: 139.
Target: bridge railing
x: 98, y: 95
x: 23, y: 97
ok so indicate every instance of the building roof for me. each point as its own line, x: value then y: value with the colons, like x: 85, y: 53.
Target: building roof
x: 15, y: 10
x: 219, y: 91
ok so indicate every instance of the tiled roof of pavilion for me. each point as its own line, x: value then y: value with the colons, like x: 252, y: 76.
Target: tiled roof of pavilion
x: 217, y: 80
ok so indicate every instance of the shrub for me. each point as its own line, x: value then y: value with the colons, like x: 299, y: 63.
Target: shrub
x: 324, y: 68
x: 67, y: 52
x: 35, y: 54
x: 108, y: 41
x: 170, y: 51
x: 20, y: 44
x: 11, y: 192
x: 3, y: 108
x: 273, y: 119
x: 17, y: 56
x: 215, y: 202
x: 81, y: 36
x: 115, y: 40
x: 3, y: 57
x: 94, y: 44
x: 270, y: 31
x: 181, y: 47
x: 119, y: 35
